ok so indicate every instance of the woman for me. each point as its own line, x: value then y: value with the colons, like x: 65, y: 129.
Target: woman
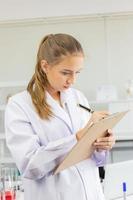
x: 45, y: 122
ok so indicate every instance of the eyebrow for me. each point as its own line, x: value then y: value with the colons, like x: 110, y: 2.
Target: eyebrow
x: 68, y: 70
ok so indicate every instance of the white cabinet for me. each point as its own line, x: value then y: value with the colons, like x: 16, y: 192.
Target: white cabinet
x: 123, y: 131
x: 5, y: 156
x: 7, y: 89
x: 123, y: 150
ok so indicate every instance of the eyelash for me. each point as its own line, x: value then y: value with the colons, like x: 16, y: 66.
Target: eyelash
x: 66, y: 73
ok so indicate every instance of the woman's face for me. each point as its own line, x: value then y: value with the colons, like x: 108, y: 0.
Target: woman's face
x: 62, y: 75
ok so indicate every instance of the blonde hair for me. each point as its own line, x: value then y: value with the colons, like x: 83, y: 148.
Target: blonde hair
x: 52, y: 48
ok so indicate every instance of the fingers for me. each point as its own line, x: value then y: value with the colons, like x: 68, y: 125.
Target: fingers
x: 110, y: 132
x: 105, y: 113
x: 97, y: 115
x: 106, y: 142
x: 103, y: 145
x: 109, y: 138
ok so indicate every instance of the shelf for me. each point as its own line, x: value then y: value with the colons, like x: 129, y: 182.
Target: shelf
x: 13, y: 84
x: 107, y: 102
x: 124, y: 138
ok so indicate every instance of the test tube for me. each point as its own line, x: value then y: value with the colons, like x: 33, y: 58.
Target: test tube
x: 8, y: 189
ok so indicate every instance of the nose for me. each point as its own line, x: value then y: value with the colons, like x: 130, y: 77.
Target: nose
x: 71, y: 80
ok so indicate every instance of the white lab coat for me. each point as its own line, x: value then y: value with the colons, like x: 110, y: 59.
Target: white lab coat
x: 38, y: 146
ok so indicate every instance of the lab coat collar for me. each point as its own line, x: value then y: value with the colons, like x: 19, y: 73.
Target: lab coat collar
x: 67, y: 99
x: 58, y: 111
x: 72, y: 106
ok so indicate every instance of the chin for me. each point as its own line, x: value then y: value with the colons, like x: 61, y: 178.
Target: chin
x: 63, y: 89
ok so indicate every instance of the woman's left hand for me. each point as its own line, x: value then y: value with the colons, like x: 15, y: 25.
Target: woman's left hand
x: 105, y: 143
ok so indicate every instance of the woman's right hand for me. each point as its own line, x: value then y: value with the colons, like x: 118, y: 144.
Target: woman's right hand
x: 95, y: 117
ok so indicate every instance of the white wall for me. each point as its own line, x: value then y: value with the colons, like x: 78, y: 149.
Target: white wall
x: 22, y: 9
x: 107, y: 42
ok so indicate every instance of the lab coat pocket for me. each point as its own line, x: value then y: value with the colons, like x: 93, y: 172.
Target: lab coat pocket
x: 71, y: 194
x: 70, y: 185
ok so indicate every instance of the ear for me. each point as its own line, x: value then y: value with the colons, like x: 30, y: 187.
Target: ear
x: 44, y: 65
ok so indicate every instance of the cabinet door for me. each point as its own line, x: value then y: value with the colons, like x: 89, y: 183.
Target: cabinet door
x: 122, y: 155
x: 1, y: 121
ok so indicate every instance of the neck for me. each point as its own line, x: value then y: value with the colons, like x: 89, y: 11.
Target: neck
x: 54, y: 94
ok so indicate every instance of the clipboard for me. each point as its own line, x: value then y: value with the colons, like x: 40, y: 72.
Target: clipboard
x: 83, y: 148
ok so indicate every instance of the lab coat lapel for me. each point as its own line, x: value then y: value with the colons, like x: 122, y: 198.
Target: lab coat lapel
x: 73, y: 111
x: 58, y: 111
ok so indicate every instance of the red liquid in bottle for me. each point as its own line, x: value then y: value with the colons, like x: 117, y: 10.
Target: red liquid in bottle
x: 10, y: 195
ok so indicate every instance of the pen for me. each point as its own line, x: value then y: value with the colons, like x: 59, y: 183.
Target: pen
x: 88, y: 109
x: 124, y: 190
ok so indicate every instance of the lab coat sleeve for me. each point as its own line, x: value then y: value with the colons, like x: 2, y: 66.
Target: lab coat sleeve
x: 33, y: 160
x: 100, y: 157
